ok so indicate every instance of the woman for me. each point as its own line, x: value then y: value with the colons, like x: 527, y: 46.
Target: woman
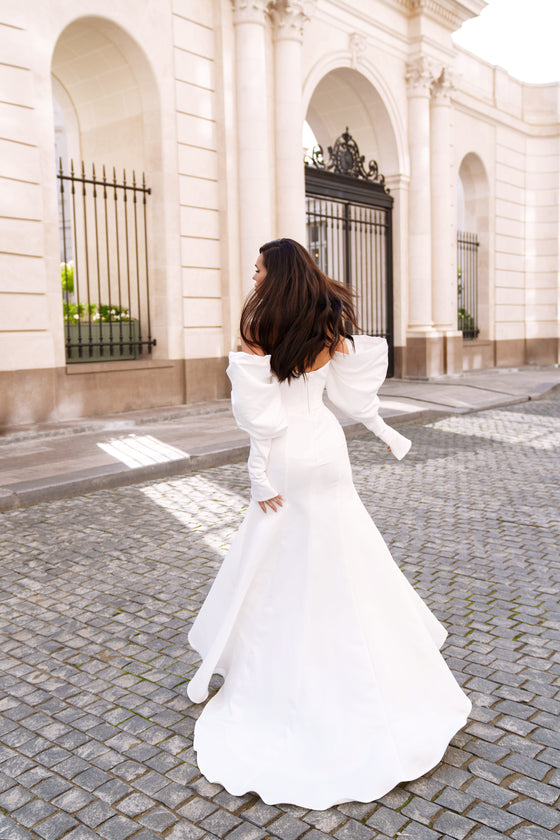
x: 334, y: 688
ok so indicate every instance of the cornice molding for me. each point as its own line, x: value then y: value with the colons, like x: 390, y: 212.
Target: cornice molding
x: 453, y: 12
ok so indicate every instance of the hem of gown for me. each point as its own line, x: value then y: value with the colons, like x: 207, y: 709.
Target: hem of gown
x: 221, y: 672
x: 238, y: 788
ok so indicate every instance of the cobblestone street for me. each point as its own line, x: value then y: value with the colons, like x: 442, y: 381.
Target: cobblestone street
x: 97, y: 594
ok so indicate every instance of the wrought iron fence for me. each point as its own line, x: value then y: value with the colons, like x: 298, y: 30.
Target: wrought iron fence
x: 105, y: 271
x: 467, y: 283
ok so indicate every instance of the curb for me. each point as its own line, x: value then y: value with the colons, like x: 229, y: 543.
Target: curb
x: 29, y: 493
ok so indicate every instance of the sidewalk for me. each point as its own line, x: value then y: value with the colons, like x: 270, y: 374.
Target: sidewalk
x: 58, y: 460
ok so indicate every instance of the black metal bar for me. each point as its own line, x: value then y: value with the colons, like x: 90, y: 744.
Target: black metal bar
x: 146, y: 264
x: 119, y: 279
x: 96, y: 228
x: 86, y: 252
x: 377, y: 295
x: 374, y: 281
x: 65, y: 258
x: 388, y: 261
x: 129, y: 300
x: 136, y: 256
x: 108, y: 261
x: 76, y: 272
x: 346, y: 229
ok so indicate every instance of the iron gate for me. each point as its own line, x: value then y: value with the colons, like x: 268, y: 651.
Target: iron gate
x: 349, y: 233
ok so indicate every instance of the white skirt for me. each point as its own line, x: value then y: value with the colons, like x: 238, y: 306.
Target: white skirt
x: 334, y: 687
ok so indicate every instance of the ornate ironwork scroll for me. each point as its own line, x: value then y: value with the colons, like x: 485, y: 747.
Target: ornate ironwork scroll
x: 345, y: 159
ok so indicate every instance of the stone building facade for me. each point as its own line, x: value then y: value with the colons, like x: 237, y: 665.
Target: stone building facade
x: 207, y: 98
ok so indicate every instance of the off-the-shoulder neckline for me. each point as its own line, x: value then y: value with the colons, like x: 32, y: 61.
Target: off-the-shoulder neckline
x: 241, y: 355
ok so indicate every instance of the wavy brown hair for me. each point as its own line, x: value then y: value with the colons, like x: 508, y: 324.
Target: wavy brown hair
x: 297, y: 311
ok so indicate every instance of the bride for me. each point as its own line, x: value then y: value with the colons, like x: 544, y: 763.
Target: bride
x: 334, y: 688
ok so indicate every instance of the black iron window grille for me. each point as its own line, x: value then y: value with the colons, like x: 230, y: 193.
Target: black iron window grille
x: 104, y: 268
x: 467, y: 283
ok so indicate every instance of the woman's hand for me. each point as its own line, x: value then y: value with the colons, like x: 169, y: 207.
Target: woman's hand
x: 274, y: 504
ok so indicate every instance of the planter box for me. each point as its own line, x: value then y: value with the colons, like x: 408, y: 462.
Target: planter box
x: 104, y: 336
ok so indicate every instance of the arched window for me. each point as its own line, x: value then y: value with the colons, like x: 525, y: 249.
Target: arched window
x: 102, y: 146
x: 472, y: 249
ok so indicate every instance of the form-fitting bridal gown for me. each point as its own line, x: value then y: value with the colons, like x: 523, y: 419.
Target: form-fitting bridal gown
x: 334, y: 688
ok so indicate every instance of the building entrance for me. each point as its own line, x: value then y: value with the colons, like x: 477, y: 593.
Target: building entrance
x: 349, y: 231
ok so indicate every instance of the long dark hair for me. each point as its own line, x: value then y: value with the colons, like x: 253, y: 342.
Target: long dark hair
x: 297, y: 311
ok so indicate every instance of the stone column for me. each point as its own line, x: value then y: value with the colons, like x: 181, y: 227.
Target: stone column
x: 399, y: 184
x: 422, y: 355
x: 254, y: 164
x: 444, y: 227
x: 289, y: 17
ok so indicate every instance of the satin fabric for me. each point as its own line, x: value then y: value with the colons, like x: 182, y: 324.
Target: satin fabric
x: 334, y: 687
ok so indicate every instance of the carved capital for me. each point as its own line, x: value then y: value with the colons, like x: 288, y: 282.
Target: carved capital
x: 419, y: 77
x: 250, y: 11
x: 290, y: 16
x: 442, y: 87
x: 357, y: 44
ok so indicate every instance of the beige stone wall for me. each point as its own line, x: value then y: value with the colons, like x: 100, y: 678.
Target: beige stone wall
x: 165, y: 92
x: 196, y: 79
x: 111, y: 69
x: 26, y: 305
x: 512, y: 129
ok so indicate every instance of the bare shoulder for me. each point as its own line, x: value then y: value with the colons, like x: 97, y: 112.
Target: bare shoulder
x: 252, y: 349
x: 342, y: 347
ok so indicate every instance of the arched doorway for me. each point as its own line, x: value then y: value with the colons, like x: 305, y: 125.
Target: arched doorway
x: 106, y: 110
x: 348, y: 204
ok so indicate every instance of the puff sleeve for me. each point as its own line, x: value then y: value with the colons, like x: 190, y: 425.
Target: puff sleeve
x: 353, y: 382
x: 258, y: 410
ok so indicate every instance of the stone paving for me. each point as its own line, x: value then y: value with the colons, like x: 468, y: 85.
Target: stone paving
x: 97, y: 594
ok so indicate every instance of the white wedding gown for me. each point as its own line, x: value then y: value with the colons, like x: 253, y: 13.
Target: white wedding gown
x: 334, y: 688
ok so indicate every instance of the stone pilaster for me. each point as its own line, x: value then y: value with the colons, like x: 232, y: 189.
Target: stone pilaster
x: 289, y: 18
x: 419, y: 79
x: 424, y: 355
x: 254, y: 144
x: 444, y: 227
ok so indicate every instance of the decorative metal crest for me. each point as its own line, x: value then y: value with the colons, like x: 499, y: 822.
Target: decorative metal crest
x: 345, y: 159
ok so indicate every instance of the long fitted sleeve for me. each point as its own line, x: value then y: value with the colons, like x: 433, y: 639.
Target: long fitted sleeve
x: 258, y: 410
x: 353, y: 383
